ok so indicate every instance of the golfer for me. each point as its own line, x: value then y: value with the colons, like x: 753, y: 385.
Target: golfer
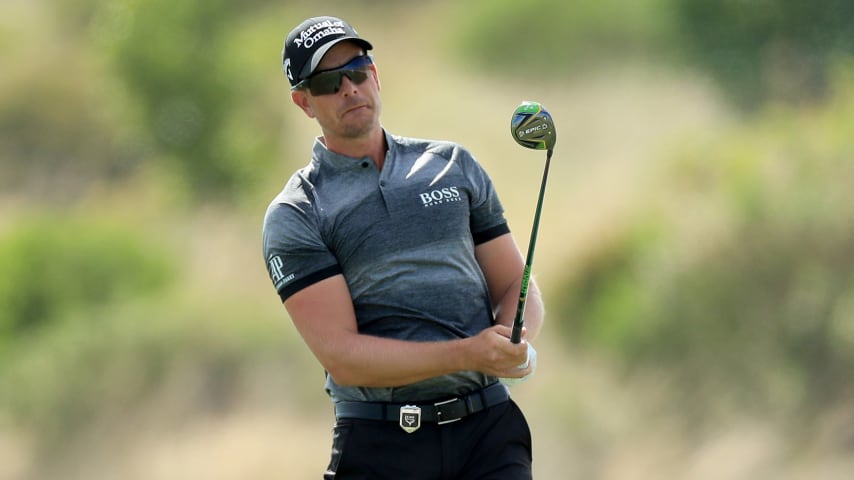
x: 395, y: 263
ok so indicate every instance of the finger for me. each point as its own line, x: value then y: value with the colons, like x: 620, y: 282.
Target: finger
x: 516, y: 372
x: 502, y: 330
x: 515, y: 359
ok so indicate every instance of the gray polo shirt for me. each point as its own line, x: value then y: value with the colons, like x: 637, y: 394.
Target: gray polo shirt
x: 404, y: 240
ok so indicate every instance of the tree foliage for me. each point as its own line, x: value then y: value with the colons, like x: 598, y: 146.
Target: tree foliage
x: 531, y: 38
x: 100, y: 91
x: 53, y: 268
x: 773, y: 49
x: 755, y: 50
x: 740, y: 286
x: 171, y: 57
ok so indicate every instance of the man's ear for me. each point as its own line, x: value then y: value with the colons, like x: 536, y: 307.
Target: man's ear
x: 373, y: 68
x: 300, y: 99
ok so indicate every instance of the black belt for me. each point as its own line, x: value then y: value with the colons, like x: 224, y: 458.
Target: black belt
x: 442, y: 412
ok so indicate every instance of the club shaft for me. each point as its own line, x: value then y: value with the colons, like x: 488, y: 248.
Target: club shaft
x: 519, y: 321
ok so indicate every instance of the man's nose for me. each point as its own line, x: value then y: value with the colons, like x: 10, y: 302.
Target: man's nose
x: 348, y: 86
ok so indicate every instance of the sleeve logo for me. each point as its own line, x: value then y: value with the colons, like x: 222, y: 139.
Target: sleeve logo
x: 275, y: 265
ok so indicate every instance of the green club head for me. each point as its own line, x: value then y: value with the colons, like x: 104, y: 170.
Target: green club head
x: 532, y: 127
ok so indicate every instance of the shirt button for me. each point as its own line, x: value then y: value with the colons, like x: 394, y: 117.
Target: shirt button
x: 365, y: 164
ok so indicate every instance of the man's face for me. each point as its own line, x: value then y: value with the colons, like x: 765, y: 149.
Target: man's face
x: 354, y: 110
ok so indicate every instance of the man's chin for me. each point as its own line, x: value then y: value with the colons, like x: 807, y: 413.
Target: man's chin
x: 357, y: 129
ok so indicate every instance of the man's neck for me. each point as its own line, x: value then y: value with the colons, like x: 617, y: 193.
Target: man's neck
x: 372, y: 145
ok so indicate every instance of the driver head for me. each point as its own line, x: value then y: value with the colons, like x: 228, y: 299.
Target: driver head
x: 532, y: 127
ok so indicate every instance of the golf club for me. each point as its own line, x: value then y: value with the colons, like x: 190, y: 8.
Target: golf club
x: 532, y: 127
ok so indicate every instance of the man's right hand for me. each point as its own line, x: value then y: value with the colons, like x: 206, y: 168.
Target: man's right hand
x: 493, y: 353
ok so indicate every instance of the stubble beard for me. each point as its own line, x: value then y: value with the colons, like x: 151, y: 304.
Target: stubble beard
x: 361, y: 127
x: 356, y: 130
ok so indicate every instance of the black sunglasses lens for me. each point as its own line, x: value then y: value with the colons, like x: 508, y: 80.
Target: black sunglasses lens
x: 330, y: 82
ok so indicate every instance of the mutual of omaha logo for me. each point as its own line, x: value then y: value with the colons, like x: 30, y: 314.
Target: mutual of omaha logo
x: 440, y: 196
x: 410, y: 418
x: 315, y: 32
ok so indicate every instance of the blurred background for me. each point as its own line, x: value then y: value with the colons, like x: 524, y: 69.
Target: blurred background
x: 695, y: 253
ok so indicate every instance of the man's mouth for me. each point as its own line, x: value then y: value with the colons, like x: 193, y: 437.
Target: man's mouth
x: 353, y: 108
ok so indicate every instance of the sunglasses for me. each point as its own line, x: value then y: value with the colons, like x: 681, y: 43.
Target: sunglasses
x: 329, y: 81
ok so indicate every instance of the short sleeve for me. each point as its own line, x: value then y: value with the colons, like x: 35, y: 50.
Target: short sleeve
x: 487, y: 219
x: 294, y: 250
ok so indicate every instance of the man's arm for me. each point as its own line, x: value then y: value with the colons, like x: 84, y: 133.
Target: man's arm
x: 502, y: 264
x: 324, y: 316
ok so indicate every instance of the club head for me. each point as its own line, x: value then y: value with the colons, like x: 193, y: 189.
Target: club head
x: 532, y: 127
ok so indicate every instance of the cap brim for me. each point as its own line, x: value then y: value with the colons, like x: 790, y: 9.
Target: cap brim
x: 311, y: 66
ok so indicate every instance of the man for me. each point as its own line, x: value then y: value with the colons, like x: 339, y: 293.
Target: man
x: 395, y: 263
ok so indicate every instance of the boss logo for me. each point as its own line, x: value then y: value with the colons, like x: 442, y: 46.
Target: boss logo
x: 439, y: 196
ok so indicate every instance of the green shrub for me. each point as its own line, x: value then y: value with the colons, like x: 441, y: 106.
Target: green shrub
x: 777, y: 49
x: 194, y: 71
x: 755, y: 51
x: 529, y: 38
x: 54, y: 142
x: 94, y: 325
x: 152, y: 359
x: 743, y: 293
x: 55, y: 267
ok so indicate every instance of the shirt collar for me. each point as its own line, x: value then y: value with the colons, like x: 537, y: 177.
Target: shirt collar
x: 342, y: 162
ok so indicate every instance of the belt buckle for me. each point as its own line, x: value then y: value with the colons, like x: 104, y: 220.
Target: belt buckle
x: 410, y: 418
x: 439, y: 412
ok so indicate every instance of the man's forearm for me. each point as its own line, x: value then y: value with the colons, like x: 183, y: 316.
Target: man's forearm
x: 534, y: 309
x: 368, y: 361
